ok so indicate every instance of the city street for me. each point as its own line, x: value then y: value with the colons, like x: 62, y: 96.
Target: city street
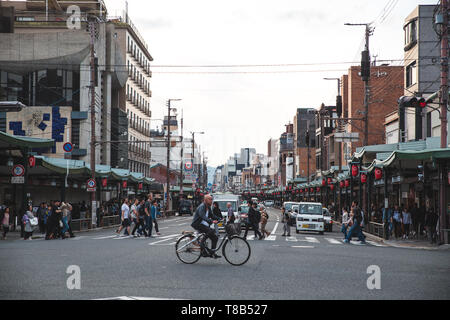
x: 303, y: 266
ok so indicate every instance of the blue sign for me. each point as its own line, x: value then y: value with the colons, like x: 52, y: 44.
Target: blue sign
x: 68, y: 147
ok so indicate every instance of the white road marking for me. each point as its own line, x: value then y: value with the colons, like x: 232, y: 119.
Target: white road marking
x: 251, y: 237
x: 156, y: 242
x: 375, y: 243
x: 272, y: 237
x: 274, y: 228
x: 291, y: 239
x: 107, y: 237
x: 123, y: 237
x: 305, y: 247
x: 333, y: 241
x: 312, y: 239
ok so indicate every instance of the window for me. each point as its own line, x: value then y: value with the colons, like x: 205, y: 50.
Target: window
x: 411, y: 74
x: 410, y: 34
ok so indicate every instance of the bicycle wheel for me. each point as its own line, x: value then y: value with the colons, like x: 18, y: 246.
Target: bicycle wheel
x: 236, y: 251
x: 187, y: 251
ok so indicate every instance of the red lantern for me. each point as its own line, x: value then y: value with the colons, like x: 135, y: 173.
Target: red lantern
x: 323, y: 182
x: 104, y: 182
x: 31, y: 161
x: 355, y: 170
x: 329, y: 181
x: 311, y: 190
x: 378, y: 174
x: 124, y: 184
x: 318, y: 189
x: 140, y: 186
x: 341, y: 184
x: 363, y: 178
x: 332, y: 187
x: 347, y: 183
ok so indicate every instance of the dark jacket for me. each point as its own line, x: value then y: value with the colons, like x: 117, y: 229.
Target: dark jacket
x: 217, y: 214
x: 254, y: 216
x: 200, y: 215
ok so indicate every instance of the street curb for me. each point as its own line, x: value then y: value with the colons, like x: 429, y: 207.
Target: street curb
x: 381, y: 240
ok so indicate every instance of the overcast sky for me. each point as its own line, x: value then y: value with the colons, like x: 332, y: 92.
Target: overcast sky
x: 239, y: 110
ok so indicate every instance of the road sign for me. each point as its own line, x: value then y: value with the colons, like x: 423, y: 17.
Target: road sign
x: 17, y: 180
x: 188, y: 165
x: 91, y: 185
x: 68, y: 147
x: 18, y: 170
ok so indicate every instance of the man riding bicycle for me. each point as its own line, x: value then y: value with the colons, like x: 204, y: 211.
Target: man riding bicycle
x: 202, y: 221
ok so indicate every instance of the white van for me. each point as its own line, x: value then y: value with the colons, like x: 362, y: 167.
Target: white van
x: 222, y: 201
x: 310, y: 217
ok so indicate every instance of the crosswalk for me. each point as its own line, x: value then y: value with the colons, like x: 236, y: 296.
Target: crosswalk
x: 303, y: 241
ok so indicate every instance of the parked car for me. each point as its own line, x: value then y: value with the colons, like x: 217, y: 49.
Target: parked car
x: 328, y: 220
x: 268, y: 203
x: 185, y: 207
x: 310, y: 217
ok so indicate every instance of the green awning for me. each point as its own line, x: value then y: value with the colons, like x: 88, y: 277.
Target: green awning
x: 423, y: 155
x: 24, y: 142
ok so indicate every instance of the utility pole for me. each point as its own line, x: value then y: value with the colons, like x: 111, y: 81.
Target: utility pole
x: 366, y: 78
x: 168, y: 157
x: 92, y: 93
x: 181, y: 159
x: 365, y: 75
x: 444, y: 107
x: 168, y: 152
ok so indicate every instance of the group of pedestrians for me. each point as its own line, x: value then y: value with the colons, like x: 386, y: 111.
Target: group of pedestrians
x: 255, y: 217
x: 142, y: 213
x: 410, y: 222
x: 355, y: 220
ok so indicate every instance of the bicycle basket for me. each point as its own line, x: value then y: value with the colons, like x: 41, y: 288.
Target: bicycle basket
x: 233, y: 229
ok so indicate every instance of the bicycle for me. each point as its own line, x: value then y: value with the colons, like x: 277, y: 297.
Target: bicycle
x: 233, y: 246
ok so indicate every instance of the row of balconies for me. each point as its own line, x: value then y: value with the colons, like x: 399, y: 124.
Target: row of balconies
x: 144, y: 66
x: 138, y: 153
x: 138, y: 127
x: 135, y: 101
x: 141, y: 83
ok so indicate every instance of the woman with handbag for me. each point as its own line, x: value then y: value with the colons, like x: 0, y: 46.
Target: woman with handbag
x: 29, y: 221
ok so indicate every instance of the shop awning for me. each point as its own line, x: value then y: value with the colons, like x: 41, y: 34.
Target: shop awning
x: 424, y: 155
x: 16, y: 142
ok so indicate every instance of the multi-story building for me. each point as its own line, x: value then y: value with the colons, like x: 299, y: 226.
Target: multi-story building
x: 422, y: 72
x: 386, y: 86
x: 136, y: 95
x: 304, y: 122
x: 44, y: 63
x: 273, y: 153
x: 286, y: 156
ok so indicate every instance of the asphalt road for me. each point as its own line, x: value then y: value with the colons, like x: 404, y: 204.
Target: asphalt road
x: 303, y: 266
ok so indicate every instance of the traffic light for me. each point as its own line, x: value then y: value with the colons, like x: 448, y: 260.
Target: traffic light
x: 365, y: 65
x: 418, y: 103
x: 339, y: 106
